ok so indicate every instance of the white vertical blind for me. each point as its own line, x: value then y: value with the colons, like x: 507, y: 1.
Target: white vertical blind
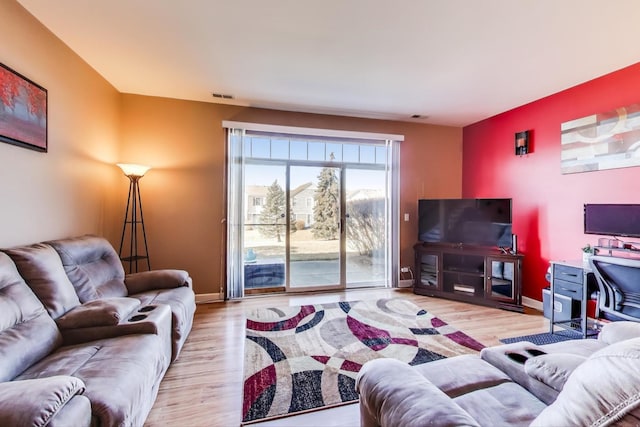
x: 235, y: 208
x: 393, y: 176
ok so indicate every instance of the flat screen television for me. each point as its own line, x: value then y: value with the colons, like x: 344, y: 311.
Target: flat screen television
x: 612, y: 219
x: 481, y: 222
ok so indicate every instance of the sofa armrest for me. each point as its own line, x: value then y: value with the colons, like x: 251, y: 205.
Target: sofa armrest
x: 553, y: 369
x: 393, y: 393
x: 156, y: 279
x: 614, y: 332
x: 100, y: 312
x: 36, y: 402
x: 510, y: 359
x: 150, y: 319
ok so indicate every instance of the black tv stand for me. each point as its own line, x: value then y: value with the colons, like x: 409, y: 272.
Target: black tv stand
x: 475, y: 274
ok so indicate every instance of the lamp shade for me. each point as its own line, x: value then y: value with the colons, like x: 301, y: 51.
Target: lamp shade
x: 130, y: 169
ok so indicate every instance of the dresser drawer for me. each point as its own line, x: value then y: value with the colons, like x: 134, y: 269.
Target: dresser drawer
x: 568, y: 289
x: 568, y: 273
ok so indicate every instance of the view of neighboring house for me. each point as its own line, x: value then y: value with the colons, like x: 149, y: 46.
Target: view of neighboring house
x: 301, y: 205
x: 256, y: 196
x: 302, y: 201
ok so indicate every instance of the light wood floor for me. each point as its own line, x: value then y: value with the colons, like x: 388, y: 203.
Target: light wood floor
x: 204, y: 386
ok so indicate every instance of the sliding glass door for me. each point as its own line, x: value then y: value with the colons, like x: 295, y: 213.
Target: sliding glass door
x: 265, y: 228
x: 366, y: 227
x: 315, y: 240
x: 307, y: 213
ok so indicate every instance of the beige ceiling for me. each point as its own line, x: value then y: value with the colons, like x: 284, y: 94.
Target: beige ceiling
x: 455, y: 61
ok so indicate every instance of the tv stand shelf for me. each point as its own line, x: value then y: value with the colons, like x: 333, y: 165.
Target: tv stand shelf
x: 473, y: 274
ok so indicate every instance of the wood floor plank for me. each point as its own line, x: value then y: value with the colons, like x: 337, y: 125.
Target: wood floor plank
x: 204, y: 386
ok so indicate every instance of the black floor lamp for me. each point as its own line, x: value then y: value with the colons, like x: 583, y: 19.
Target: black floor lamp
x: 133, y: 218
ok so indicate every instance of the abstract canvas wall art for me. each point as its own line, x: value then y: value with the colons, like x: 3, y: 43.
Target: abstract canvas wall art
x: 601, y: 141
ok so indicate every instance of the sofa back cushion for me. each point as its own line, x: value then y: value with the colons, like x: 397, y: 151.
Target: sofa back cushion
x: 604, y: 389
x: 93, y: 267
x: 27, y: 332
x: 41, y: 267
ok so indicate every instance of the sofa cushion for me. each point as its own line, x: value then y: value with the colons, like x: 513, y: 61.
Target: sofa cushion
x: 121, y: 375
x: 461, y: 374
x: 553, y: 369
x: 392, y: 393
x: 506, y: 404
x: 93, y: 267
x: 602, y: 390
x: 100, y: 312
x: 27, y: 332
x: 42, y: 269
x: 476, y: 385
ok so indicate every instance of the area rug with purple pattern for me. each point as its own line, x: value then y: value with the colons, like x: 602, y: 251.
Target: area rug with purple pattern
x: 307, y: 357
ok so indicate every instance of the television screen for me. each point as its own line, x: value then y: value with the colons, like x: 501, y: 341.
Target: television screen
x: 612, y: 219
x: 482, y: 222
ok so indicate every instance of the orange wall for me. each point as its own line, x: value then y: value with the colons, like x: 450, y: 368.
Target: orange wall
x: 69, y: 190
x: 183, y: 195
x: 548, y: 206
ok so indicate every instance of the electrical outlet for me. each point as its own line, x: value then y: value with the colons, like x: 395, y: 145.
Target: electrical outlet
x: 404, y: 269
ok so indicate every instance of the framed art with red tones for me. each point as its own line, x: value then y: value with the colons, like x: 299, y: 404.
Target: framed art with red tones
x: 23, y: 111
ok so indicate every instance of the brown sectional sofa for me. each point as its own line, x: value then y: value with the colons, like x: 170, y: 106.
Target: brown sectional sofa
x: 81, y: 343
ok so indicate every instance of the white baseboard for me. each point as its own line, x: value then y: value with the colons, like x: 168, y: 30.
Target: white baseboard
x: 532, y: 303
x: 214, y: 297
x: 206, y: 298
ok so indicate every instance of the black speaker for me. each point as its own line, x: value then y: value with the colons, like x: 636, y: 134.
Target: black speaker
x: 514, y: 243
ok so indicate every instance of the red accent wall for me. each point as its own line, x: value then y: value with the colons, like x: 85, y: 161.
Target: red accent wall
x: 548, y: 206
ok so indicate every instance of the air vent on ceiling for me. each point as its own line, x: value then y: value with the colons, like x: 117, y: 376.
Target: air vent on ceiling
x: 222, y: 95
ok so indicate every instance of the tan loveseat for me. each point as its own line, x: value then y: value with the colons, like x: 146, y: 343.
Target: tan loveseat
x: 573, y: 383
x: 81, y: 343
